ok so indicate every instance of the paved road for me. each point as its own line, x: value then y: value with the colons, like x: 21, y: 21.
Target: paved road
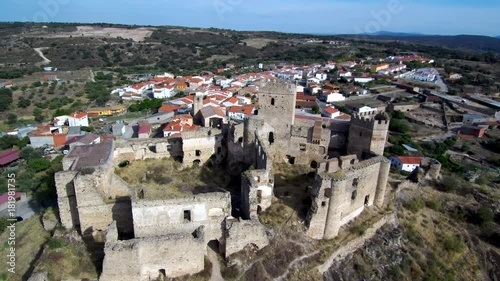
x: 441, y: 84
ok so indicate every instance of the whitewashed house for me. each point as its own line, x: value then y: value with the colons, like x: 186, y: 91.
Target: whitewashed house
x: 78, y: 119
x: 334, y: 97
x: 405, y: 163
x: 330, y: 112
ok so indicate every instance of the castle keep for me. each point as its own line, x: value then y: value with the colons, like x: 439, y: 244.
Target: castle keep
x: 148, y: 237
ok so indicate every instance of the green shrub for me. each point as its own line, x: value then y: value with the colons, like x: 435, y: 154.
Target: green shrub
x: 450, y: 184
x: 359, y: 229
x: 39, y: 164
x: 454, y: 244
x: 415, y: 205
x: 483, y: 215
x: 434, y: 204
x: 56, y: 243
x: 413, y: 235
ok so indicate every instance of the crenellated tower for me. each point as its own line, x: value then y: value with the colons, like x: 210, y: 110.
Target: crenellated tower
x: 368, y: 135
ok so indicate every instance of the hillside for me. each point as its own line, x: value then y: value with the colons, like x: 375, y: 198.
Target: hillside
x: 463, y: 42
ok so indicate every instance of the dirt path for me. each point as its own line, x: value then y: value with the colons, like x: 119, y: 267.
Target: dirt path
x: 40, y: 53
x: 216, y: 275
x: 294, y: 262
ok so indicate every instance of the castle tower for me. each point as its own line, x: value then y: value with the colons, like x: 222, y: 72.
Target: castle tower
x: 368, y: 135
x: 250, y: 126
x: 277, y: 107
x: 197, y: 104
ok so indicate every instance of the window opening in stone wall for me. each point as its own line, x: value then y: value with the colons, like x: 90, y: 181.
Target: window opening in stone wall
x: 187, y: 215
x: 367, y: 199
x: 271, y: 138
x: 354, y: 195
x: 323, y: 204
x: 328, y: 192
x: 355, y: 182
x: 198, y: 153
x: 259, y: 196
x: 272, y: 101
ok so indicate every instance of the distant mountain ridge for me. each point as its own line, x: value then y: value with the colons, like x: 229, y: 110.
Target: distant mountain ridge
x: 469, y: 42
x: 390, y: 33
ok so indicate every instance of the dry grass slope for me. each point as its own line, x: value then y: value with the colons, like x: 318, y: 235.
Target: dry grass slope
x: 30, y: 237
x: 66, y: 257
x: 164, y: 178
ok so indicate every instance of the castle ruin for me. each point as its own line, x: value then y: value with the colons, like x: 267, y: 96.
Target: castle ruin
x: 150, y: 238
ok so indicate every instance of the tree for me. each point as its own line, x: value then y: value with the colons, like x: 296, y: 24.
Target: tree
x: 9, y: 141
x: 28, y: 153
x: 61, y: 112
x: 12, y: 118
x: 38, y: 114
x: 39, y: 164
x: 399, y: 126
x: 6, y: 98
x: 316, y: 109
x: 23, y: 102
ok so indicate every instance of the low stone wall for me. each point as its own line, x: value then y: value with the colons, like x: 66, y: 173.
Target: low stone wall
x: 240, y: 233
x: 357, y: 242
x: 153, y: 258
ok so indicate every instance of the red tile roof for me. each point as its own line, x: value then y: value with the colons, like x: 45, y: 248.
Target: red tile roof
x: 169, y: 108
x: 305, y: 104
x: 302, y: 97
x: 331, y: 110
x: 78, y: 115
x: 232, y: 100
x: 60, y: 139
x: 412, y: 160
x: 9, y: 157
x: 73, y: 139
x: 146, y: 129
x: 195, y: 80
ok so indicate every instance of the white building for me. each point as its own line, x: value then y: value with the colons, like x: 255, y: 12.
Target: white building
x: 322, y: 76
x: 363, y: 110
x: 405, y: 163
x: 78, y: 119
x: 330, y: 112
x: 363, y: 79
x: 333, y: 97
x: 60, y: 120
x: 163, y: 92
x: 343, y: 73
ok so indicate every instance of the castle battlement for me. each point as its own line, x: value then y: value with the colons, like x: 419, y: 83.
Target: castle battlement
x: 278, y: 88
x: 344, y: 174
x: 380, y: 120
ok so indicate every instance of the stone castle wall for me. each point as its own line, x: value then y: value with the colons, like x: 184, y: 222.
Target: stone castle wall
x: 341, y: 196
x: 199, y: 146
x: 240, y: 233
x: 161, y: 217
x: 153, y: 258
x: 367, y: 135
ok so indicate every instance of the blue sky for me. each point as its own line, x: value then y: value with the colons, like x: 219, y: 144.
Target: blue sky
x: 481, y: 17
